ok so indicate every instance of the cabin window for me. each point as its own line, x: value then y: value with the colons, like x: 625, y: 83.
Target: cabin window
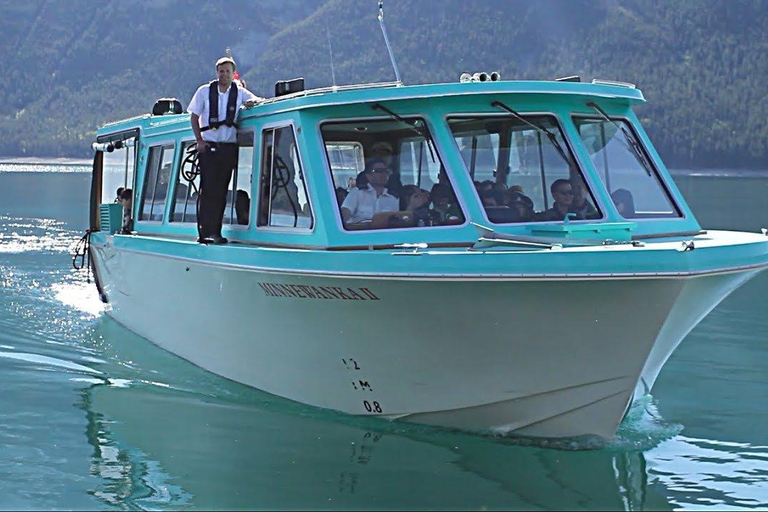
x: 156, y: 181
x: 184, y: 207
x: 522, y: 169
x: 237, y: 211
x: 283, y: 200
x: 346, y: 158
x: 397, y: 179
x: 625, y: 169
x: 118, y: 170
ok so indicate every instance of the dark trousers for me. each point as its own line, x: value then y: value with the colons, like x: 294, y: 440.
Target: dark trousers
x: 216, y: 165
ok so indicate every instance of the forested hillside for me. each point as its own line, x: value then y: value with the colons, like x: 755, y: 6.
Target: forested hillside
x: 702, y: 64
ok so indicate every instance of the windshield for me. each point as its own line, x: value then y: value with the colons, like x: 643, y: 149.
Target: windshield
x: 522, y: 173
x: 388, y: 174
x: 626, y: 171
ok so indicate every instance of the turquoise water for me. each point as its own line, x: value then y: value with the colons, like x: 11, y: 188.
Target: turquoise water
x: 94, y: 417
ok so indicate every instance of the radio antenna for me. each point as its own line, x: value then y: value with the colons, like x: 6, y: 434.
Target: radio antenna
x: 386, y: 40
x: 330, y: 51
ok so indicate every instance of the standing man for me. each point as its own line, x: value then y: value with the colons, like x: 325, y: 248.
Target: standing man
x: 213, y: 110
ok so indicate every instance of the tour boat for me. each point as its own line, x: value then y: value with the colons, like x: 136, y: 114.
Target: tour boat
x: 482, y: 306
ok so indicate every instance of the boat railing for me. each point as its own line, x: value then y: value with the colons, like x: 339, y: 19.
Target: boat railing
x: 333, y: 88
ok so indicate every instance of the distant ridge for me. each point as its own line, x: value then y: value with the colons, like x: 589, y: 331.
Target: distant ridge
x: 702, y: 65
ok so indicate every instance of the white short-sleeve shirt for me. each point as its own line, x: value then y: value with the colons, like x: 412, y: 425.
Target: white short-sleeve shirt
x: 199, y: 106
x: 363, y: 203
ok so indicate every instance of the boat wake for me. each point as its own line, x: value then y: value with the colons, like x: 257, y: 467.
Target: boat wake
x: 643, y: 427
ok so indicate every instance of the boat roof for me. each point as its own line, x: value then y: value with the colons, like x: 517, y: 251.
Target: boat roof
x: 394, y: 91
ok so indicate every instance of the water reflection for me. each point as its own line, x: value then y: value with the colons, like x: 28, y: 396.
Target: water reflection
x: 184, y: 438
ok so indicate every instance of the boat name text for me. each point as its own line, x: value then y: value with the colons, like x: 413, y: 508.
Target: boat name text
x: 301, y: 291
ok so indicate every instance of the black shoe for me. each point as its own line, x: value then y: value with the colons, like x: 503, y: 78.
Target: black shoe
x: 204, y: 240
x: 219, y: 240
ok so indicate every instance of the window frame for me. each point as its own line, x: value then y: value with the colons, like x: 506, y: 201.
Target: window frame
x: 182, y: 144
x: 654, y: 168
x: 256, y: 194
x: 437, y: 147
x: 569, y: 146
x: 244, y: 227
x: 164, y: 144
x: 351, y: 142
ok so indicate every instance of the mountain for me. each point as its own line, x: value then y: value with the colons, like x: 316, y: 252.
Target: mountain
x: 702, y: 65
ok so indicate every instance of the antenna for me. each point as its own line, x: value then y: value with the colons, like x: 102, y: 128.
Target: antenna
x: 386, y: 40
x: 330, y: 51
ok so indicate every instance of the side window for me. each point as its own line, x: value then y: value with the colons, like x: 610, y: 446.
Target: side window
x: 347, y: 161
x: 156, y: 181
x: 418, y: 165
x: 480, y: 149
x: 237, y: 211
x: 184, y: 207
x: 283, y: 199
x: 118, y: 170
x: 625, y: 169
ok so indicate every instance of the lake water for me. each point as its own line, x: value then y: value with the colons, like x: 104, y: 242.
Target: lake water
x: 95, y: 417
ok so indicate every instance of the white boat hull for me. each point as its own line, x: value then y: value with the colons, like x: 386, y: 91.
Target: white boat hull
x: 545, y: 358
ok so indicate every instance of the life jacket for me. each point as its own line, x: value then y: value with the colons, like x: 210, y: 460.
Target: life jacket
x: 213, y: 107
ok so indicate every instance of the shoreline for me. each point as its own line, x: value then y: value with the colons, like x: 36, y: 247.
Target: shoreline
x: 32, y: 160
x: 704, y: 172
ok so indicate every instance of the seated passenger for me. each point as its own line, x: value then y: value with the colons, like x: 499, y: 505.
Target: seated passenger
x: 486, y: 185
x: 442, y: 182
x: 494, y: 202
x: 580, y: 205
x: 416, y: 200
x: 394, y: 184
x: 242, y: 206
x: 562, y: 193
x: 341, y: 194
x: 499, y: 187
x: 382, y: 150
x: 624, y: 202
x: 445, y: 205
x: 370, y: 196
x: 520, y: 202
x: 488, y: 199
x: 126, y: 197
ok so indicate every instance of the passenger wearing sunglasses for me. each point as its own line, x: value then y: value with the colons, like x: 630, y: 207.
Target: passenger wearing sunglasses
x: 581, y: 205
x: 562, y: 193
x: 369, y: 197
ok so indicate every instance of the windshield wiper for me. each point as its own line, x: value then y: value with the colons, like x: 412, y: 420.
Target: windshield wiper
x: 551, y: 136
x: 424, y: 132
x: 631, y: 143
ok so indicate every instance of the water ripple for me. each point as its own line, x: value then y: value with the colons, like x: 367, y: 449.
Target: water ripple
x: 48, y: 361
x: 19, y: 235
x: 710, y: 474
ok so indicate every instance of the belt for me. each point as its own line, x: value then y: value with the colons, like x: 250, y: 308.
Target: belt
x: 215, y: 144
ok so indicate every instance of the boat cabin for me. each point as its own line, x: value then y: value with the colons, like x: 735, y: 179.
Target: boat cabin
x: 559, y: 159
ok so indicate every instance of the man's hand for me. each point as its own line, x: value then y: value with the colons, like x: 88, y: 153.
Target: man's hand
x: 202, y: 146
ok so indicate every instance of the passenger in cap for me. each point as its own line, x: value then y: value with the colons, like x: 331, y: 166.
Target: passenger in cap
x: 383, y: 151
